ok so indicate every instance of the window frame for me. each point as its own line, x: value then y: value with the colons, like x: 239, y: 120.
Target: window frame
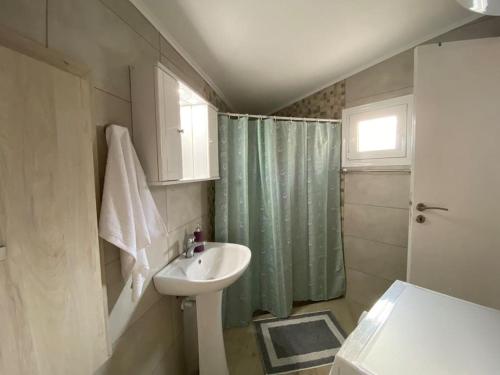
x: 402, y: 107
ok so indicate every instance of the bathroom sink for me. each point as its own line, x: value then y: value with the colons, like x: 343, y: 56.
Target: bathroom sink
x: 204, y: 276
x: 212, y: 270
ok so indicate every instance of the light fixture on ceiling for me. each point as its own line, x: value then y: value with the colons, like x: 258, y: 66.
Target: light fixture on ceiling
x: 486, y: 7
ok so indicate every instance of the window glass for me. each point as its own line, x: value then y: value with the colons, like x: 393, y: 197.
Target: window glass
x: 377, y: 134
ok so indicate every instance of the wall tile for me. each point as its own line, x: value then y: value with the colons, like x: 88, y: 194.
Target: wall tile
x: 167, y: 50
x: 173, y: 60
x: 113, y: 292
x: 378, y: 189
x: 184, y: 75
x: 380, y: 97
x: 113, y: 273
x: 111, y: 252
x: 159, y: 194
x: 356, y: 309
x: 108, y: 109
x: 131, y: 15
x: 172, y: 362
x: 381, y: 224
x: 144, y: 344
x: 186, y: 202
x: 26, y: 17
x: 91, y: 33
x: 392, y: 74
x: 148, y: 299
x: 206, y: 225
x: 365, y: 289
x: 177, y: 239
x: 157, y: 254
x: 326, y: 103
x: 375, y: 258
x: 119, y: 291
x: 177, y: 322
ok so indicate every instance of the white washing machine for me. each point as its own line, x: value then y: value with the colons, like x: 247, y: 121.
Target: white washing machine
x: 416, y: 331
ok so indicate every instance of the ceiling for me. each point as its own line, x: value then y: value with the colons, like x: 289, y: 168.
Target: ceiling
x: 262, y: 55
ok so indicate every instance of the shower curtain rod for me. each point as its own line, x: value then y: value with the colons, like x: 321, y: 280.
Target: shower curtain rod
x: 280, y: 117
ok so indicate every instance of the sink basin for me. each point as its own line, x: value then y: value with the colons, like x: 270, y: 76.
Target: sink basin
x: 217, y: 267
x: 204, y: 276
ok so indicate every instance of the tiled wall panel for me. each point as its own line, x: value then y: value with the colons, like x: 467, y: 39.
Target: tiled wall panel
x: 26, y: 17
x: 326, y: 103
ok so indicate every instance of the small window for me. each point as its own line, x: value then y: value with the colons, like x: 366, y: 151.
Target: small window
x: 378, y: 134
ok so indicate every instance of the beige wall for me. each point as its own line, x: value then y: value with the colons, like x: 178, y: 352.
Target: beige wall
x: 376, y: 205
x: 108, y: 36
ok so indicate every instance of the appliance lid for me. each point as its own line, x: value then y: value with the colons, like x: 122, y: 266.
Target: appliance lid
x: 414, y: 331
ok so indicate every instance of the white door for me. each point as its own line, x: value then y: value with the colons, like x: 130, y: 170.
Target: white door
x: 457, y: 167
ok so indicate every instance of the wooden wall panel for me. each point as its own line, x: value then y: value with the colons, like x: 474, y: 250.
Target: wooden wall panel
x: 52, y: 316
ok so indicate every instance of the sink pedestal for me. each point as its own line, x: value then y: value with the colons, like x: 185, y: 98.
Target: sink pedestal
x: 212, y: 356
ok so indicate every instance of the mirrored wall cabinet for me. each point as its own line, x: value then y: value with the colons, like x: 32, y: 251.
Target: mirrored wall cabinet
x: 174, y: 129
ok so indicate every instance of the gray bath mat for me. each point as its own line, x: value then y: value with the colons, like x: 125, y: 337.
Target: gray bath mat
x: 299, y: 342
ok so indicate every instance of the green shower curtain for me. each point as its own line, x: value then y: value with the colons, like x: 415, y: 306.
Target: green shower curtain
x: 279, y: 194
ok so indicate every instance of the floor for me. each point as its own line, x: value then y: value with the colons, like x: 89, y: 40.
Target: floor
x: 243, y: 354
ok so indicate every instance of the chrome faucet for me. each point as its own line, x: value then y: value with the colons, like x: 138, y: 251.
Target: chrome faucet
x: 190, y: 246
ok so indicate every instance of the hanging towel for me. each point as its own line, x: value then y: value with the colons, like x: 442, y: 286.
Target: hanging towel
x: 129, y: 217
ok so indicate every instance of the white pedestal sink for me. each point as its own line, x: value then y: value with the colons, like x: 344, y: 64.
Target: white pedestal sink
x: 204, y: 276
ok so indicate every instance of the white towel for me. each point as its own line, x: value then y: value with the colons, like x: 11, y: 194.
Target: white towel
x: 129, y: 217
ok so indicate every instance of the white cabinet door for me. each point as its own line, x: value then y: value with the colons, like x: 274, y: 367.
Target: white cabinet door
x: 213, y: 143
x: 187, y: 143
x: 169, y: 127
x: 200, y: 140
x: 457, y: 252
x: 173, y: 141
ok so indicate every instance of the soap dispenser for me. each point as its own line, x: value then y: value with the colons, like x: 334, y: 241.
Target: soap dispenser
x: 198, y: 237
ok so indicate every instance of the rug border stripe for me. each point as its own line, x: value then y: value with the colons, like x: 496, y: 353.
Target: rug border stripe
x: 266, y: 362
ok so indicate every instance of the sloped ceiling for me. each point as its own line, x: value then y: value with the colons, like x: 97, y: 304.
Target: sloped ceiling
x: 265, y: 54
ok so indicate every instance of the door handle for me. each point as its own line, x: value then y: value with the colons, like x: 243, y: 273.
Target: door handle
x: 422, y: 207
